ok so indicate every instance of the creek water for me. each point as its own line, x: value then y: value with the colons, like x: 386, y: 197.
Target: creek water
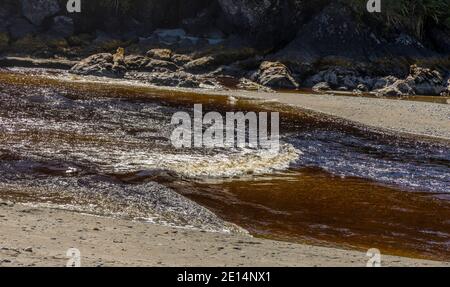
x: 330, y: 184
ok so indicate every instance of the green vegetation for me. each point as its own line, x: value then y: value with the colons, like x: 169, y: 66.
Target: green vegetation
x: 413, y: 15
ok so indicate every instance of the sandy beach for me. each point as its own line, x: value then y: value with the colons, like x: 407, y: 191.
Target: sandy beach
x: 395, y: 116
x: 40, y: 237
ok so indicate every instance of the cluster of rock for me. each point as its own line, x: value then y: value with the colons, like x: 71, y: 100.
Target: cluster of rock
x: 419, y: 81
x: 167, y: 68
x: 261, y: 45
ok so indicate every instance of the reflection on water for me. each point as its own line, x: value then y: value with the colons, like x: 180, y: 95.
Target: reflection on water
x: 313, y: 206
x: 346, y: 187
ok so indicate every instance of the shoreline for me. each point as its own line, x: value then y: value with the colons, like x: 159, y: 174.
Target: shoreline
x: 417, y: 119
x: 106, y: 242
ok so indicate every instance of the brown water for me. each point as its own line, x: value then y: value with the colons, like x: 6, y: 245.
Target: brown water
x: 312, y: 206
x: 350, y: 188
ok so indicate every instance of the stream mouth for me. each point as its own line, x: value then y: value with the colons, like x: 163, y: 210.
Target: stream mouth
x: 106, y: 149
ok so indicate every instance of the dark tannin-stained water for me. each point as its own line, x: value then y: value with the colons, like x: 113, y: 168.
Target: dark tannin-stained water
x: 331, y: 183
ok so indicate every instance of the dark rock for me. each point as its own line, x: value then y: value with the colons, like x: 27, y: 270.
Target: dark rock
x: 246, y: 84
x: 268, y: 23
x: 37, y: 10
x: 160, y: 54
x: 102, y: 64
x: 174, y: 79
x: 338, y: 77
x: 322, y: 86
x: 106, y: 42
x: 426, y: 81
x: 362, y: 88
x: 62, y: 26
x: 160, y: 66
x: 181, y: 59
x: 201, y: 65
x: 447, y: 91
x: 421, y: 81
x: 339, y: 36
x: 397, y: 89
x: 441, y: 39
x: 21, y: 28
x: 384, y: 82
x: 333, y: 32
x: 275, y: 75
x: 136, y: 62
x: 200, y: 25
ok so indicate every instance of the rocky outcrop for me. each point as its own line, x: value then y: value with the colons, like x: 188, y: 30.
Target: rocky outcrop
x: 268, y: 23
x: 337, y: 35
x: 275, y: 75
x: 201, y: 65
x: 103, y: 65
x: 427, y: 81
x: 340, y: 78
x: 38, y: 10
x: 174, y: 79
x: 396, y: 89
x: 421, y: 81
x: 321, y: 87
x: 246, y: 84
x: 160, y: 54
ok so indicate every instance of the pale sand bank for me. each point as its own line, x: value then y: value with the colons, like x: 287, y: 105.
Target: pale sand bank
x: 393, y: 115
x: 40, y: 237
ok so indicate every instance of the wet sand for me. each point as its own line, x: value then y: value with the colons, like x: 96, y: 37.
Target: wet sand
x: 392, y: 115
x: 41, y: 237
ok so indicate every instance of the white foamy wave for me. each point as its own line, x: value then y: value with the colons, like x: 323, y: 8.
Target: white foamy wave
x: 221, y: 165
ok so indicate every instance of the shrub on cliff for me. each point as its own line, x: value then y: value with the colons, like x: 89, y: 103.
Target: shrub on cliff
x: 411, y: 15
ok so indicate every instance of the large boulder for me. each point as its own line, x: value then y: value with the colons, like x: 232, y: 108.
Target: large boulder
x: 103, y: 65
x: 201, y: 65
x: 340, y: 78
x: 421, y: 81
x: 160, y: 54
x: 427, y: 81
x: 275, y: 75
x: 397, y: 89
x: 268, y: 22
x: 37, y: 10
